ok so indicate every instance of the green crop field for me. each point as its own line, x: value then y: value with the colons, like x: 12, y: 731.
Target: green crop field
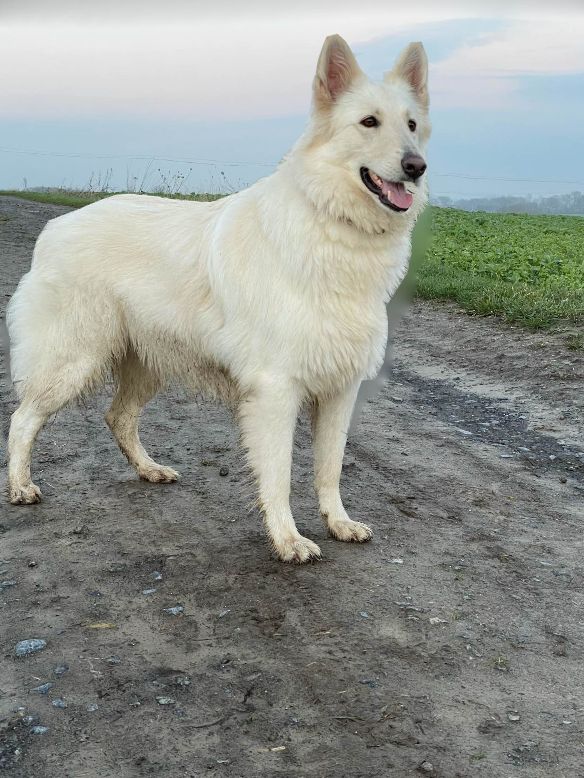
x: 525, y: 269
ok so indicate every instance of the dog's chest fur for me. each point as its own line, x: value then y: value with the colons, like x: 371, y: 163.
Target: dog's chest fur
x: 311, y: 291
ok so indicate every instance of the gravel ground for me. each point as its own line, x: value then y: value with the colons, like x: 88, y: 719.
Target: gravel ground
x: 450, y: 646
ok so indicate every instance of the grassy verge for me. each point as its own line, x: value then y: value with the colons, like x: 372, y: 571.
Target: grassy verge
x: 529, y: 270
x: 75, y: 199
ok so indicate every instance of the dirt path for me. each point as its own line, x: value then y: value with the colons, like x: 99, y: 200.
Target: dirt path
x: 450, y: 646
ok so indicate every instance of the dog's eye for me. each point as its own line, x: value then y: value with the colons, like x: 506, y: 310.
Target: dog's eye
x: 370, y: 121
x: 412, y: 125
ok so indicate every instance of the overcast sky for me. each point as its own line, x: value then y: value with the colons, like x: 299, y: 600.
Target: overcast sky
x: 223, y: 88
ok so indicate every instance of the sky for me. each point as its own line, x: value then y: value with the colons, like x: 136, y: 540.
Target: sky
x: 216, y: 92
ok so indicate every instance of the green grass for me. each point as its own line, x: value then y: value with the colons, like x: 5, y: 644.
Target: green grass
x: 75, y: 199
x: 528, y: 270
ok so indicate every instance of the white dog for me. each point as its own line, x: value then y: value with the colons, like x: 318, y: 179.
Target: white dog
x: 269, y: 298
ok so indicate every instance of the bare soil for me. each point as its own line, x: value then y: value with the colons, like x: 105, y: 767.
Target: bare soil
x: 449, y: 646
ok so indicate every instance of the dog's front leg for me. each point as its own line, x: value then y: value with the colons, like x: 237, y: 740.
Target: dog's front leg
x: 268, y: 419
x: 330, y: 425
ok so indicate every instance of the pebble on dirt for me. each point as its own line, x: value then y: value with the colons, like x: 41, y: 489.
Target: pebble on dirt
x: 156, y: 575
x: 43, y: 688
x: 148, y: 591
x: 61, y: 669
x: 59, y: 702
x: 26, y: 647
x: 165, y: 700
x: 39, y: 730
x: 174, y: 611
x: 224, y: 471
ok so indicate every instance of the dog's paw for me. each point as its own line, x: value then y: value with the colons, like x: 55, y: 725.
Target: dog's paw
x: 350, y: 531
x: 298, y: 550
x: 157, y: 474
x: 25, y: 494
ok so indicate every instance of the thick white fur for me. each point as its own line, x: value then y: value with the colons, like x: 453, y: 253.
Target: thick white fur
x: 269, y: 298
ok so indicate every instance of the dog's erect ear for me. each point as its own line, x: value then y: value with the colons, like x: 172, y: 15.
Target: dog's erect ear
x: 412, y: 67
x: 337, y: 69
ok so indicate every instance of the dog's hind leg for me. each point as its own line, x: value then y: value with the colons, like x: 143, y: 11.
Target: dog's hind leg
x: 43, y: 394
x: 25, y: 425
x: 137, y: 384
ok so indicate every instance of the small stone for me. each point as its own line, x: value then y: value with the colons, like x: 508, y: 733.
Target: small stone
x: 176, y: 610
x: 156, y: 575
x: 396, y: 561
x: 92, y: 707
x: 490, y: 726
x: 563, y: 480
x: 278, y: 748
x: 7, y: 585
x: 165, y: 700
x: 506, y: 456
x: 435, y: 620
x: 59, y: 702
x: 224, y: 613
x: 513, y: 716
x: 32, y: 563
x: 26, y: 647
x: 61, y: 670
x: 148, y: 591
x: 224, y: 471
x: 182, y: 680
x: 43, y: 688
x: 39, y: 730
x: 427, y: 767
x: 113, y: 660
x: 364, y: 614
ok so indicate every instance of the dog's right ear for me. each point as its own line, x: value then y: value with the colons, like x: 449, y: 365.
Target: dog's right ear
x: 337, y: 69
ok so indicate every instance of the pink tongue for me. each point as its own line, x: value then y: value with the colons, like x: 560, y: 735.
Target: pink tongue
x: 396, y: 194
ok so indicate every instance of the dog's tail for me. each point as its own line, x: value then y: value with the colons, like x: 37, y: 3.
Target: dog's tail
x: 5, y: 352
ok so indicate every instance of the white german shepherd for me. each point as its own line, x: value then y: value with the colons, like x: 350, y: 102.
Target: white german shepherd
x: 270, y: 298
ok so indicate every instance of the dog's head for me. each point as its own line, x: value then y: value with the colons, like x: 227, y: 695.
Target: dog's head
x: 368, y: 138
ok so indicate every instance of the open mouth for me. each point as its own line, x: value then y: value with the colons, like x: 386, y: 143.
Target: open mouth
x: 393, y: 194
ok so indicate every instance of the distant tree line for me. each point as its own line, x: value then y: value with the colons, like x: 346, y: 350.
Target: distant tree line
x: 566, y: 204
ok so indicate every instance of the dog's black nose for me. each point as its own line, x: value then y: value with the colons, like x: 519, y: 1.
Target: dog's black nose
x: 413, y: 166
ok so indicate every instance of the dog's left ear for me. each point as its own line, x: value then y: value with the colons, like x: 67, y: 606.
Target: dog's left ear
x: 337, y: 69
x: 412, y: 67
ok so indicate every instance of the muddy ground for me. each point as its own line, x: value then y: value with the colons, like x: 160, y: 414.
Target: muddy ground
x: 449, y: 646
